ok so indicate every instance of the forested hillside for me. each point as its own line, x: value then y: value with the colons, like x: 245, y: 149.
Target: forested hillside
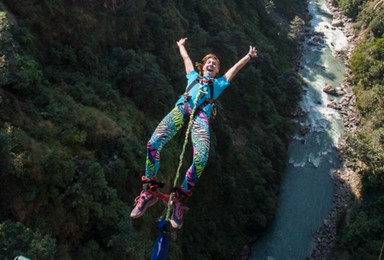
x: 361, y: 231
x: 82, y: 86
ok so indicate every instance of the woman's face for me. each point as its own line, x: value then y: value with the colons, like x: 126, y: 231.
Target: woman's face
x: 210, y: 68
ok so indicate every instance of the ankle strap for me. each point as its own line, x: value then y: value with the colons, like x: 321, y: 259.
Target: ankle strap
x: 181, y: 194
x: 151, y: 183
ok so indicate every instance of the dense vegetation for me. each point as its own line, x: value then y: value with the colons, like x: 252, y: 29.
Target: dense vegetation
x: 362, y: 233
x: 82, y: 86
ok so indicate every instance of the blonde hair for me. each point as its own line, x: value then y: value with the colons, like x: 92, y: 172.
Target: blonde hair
x: 207, y: 57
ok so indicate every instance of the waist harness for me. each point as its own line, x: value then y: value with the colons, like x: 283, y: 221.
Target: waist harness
x: 207, y: 101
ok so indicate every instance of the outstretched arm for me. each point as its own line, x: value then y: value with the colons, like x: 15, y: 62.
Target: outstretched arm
x: 183, y: 52
x: 231, y: 73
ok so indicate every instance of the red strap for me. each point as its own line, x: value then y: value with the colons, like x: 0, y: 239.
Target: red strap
x: 147, y: 180
x: 159, y: 195
x: 165, y: 198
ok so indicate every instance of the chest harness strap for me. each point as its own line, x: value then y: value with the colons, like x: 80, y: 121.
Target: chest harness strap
x: 207, y: 101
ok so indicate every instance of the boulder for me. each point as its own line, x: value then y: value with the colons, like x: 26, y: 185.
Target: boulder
x: 337, y: 23
x: 329, y: 89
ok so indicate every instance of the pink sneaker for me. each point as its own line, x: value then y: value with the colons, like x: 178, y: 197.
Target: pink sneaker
x: 142, y: 202
x: 178, y: 208
x: 177, y: 214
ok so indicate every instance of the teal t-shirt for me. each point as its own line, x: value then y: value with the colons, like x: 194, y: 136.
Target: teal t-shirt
x: 219, y: 85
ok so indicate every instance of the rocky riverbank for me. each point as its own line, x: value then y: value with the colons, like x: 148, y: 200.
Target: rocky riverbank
x: 346, y: 180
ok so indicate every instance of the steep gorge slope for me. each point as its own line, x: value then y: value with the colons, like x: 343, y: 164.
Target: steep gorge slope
x: 83, y: 84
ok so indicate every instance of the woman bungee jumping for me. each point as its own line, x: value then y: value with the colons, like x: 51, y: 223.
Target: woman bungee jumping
x: 206, y: 88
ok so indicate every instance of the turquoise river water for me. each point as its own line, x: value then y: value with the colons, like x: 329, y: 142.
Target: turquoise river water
x: 307, y: 187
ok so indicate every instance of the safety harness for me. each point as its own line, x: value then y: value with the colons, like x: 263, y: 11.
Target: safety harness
x: 207, y: 101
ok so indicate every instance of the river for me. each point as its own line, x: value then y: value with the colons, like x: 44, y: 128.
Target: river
x: 307, y: 186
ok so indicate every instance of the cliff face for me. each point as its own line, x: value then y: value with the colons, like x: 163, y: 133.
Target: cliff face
x: 358, y: 227
x: 84, y: 83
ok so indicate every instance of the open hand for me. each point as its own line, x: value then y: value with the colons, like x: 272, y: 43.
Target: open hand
x: 181, y: 41
x: 252, y: 51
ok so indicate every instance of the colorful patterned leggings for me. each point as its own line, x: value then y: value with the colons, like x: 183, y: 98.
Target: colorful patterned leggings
x: 164, y: 132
